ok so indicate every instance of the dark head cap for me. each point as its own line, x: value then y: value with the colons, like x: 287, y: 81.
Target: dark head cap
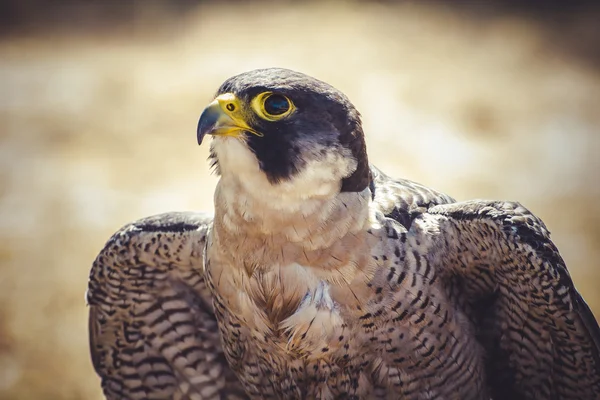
x: 288, y: 120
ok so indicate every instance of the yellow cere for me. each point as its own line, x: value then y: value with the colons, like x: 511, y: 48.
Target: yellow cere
x: 232, y: 107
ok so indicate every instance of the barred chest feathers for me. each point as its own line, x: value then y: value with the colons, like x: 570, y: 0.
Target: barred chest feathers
x: 286, y: 282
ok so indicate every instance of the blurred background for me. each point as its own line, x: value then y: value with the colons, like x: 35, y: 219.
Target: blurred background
x: 99, y: 103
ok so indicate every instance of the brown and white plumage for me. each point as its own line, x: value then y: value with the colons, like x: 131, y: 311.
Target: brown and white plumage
x: 152, y: 329
x: 331, y: 280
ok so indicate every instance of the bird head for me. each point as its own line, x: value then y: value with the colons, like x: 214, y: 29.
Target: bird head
x: 286, y: 131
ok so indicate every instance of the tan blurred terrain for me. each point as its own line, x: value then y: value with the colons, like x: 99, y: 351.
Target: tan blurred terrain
x: 98, y: 129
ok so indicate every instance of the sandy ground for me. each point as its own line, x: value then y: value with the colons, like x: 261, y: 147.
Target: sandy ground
x: 99, y: 129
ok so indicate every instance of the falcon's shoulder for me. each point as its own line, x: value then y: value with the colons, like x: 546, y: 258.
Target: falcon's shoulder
x: 151, y: 324
x: 401, y: 199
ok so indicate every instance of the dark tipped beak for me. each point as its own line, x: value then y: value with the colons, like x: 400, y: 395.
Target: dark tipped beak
x: 216, y: 121
x: 211, y: 119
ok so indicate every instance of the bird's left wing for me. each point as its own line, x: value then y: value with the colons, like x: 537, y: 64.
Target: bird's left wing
x: 152, y: 330
x: 403, y: 200
x: 498, y: 264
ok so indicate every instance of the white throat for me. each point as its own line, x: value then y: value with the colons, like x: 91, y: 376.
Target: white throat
x: 307, y: 205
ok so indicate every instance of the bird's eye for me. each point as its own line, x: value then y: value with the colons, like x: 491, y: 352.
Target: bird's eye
x: 276, y: 104
x: 272, y: 106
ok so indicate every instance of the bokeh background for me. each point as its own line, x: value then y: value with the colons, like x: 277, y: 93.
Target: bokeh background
x: 99, y: 103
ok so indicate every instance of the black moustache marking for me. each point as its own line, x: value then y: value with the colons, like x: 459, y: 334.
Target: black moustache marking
x: 323, y: 115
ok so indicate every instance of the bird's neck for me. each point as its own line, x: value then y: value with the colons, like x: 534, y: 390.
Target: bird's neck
x: 265, y: 258
x: 306, y: 223
x: 313, y: 221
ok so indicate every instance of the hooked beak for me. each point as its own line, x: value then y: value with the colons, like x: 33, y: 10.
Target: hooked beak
x: 214, y: 121
x: 224, y: 117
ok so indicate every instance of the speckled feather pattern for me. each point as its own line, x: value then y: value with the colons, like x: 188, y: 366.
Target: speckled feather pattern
x: 461, y: 301
x: 153, y: 334
x: 455, y: 301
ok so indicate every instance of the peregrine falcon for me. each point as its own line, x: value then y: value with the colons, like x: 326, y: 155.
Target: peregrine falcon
x: 320, y: 277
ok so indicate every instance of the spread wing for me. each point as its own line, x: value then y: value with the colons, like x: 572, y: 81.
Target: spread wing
x: 498, y: 264
x: 152, y: 330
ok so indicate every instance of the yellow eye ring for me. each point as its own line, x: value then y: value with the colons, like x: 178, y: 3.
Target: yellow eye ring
x: 272, y: 106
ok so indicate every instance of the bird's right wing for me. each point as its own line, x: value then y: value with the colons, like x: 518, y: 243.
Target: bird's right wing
x: 153, y: 334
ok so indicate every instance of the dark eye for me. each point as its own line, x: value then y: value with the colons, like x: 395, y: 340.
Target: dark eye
x: 276, y: 104
x: 272, y: 106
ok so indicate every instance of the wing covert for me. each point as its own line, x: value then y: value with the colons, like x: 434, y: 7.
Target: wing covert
x: 401, y: 199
